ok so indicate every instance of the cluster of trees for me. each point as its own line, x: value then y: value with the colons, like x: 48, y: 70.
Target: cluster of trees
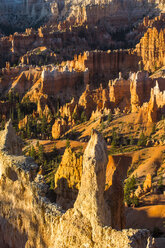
x: 17, y: 108
x: 37, y: 128
x: 129, y: 192
x: 37, y: 154
x: 80, y: 119
x: 109, y: 119
x: 118, y: 140
x: 48, y: 161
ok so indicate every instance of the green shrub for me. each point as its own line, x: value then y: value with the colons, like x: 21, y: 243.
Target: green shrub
x: 129, y: 190
x: 142, y: 140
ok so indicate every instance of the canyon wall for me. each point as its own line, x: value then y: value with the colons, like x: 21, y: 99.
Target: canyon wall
x: 151, y: 47
x: 29, y: 219
x: 78, y: 12
x: 24, y: 12
x: 54, y: 82
x: 105, y: 65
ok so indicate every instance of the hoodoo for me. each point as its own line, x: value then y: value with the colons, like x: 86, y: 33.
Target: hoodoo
x: 33, y: 221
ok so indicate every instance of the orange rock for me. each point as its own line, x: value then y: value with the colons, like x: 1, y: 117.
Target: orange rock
x: 147, y: 183
x: 152, y: 45
x: 22, y: 123
x: 60, y: 127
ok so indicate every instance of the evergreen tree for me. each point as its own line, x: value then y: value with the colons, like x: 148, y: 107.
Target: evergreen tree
x: 131, y: 140
x: 19, y: 114
x: 3, y: 124
x: 115, y: 138
x: 67, y: 143
x: 55, y: 151
x: 142, y: 140
x: 75, y: 116
x: 109, y: 117
x: 129, y: 190
x: 10, y: 96
x: 102, y: 125
x: 32, y: 152
x: 83, y: 117
x: 43, y: 126
x: 38, y: 144
x: 28, y: 130
x: 153, y: 129
x: 41, y: 154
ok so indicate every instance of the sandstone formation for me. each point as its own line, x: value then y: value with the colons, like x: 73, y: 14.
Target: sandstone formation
x: 90, y: 200
x: 68, y: 13
x: 22, y: 123
x: 33, y: 221
x: 59, y: 127
x: 9, y: 141
x: 79, y: 65
x: 67, y: 178
x: 147, y: 183
x: 151, y: 46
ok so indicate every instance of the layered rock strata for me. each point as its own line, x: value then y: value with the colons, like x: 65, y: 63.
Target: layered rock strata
x: 151, y: 47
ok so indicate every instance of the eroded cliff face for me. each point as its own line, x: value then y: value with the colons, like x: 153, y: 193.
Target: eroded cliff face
x: 24, y: 210
x: 26, y: 12
x: 28, y: 219
x: 71, y: 12
x: 152, y: 45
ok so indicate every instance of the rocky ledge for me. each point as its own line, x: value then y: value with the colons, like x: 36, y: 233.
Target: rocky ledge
x: 28, y: 219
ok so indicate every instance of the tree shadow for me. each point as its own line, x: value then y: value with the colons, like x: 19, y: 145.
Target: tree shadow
x: 65, y: 195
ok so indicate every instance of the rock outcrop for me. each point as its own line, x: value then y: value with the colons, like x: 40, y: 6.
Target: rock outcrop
x: 152, y: 45
x: 59, y: 127
x: 29, y: 219
x: 68, y: 178
x: 9, y: 142
x: 90, y: 201
x: 147, y: 183
x: 69, y: 13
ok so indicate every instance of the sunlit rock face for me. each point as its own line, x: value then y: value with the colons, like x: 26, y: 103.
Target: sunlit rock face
x: 29, y: 219
x: 110, y: 13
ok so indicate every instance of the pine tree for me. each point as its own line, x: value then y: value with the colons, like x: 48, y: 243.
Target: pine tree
x: 43, y: 126
x: 32, y: 152
x: 41, y: 154
x: 10, y: 96
x: 153, y: 129
x: 55, y: 151
x: 19, y: 114
x: 131, y: 140
x: 102, y: 125
x: 38, y: 144
x: 109, y: 117
x: 115, y: 138
x: 129, y: 190
x: 67, y: 143
x: 83, y: 117
x: 142, y: 140
x: 28, y: 130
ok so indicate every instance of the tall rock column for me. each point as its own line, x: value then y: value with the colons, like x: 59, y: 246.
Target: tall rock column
x: 90, y: 201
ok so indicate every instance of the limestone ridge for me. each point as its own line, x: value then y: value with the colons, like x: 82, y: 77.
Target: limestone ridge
x: 90, y: 200
x: 9, y: 141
